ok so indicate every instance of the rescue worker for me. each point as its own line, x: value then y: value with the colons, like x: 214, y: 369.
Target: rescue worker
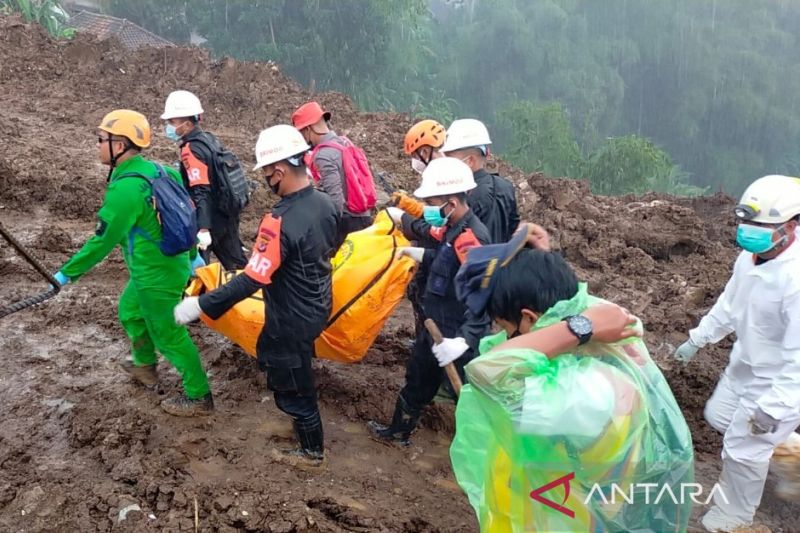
x: 447, y: 231
x: 312, y: 122
x: 218, y: 231
x: 128, y: 219
x: 756, y: 404
x: 598, y: 410
x: 291, y: 266
x: 494, y: 198
x: 422, y: 143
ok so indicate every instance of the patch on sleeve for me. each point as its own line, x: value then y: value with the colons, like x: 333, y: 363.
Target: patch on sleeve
x: 464, y: 242
x: 266, y: 258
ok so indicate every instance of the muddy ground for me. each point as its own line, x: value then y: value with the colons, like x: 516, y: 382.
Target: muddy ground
x: 79, y: 443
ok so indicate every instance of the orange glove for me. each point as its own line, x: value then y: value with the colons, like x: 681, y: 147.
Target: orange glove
x: 408, y: 204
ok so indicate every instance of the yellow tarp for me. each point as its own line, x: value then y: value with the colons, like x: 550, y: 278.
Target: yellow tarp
x: 368, y: 283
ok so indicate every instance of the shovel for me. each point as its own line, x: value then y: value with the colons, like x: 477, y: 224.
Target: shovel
x: 33, y: 300
x: 450, y: 369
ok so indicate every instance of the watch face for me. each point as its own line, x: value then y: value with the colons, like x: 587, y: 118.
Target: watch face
x: 580, y: 325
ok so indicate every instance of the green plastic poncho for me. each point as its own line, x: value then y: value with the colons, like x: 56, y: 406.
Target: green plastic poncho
x: 591, y: 441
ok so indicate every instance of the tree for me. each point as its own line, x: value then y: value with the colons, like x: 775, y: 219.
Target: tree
x: 541, y: 139
x: 628, y: 164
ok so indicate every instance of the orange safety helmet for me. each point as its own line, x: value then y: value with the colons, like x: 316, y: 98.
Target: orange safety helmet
x: 309, y: 114
x: 127, y: 123
x: 424, y: 133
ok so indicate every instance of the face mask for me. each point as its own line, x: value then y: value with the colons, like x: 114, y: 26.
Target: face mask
x: 756, y: 239
x: 433, y: 215
x: 418, y: 166
x: 274, y: 188
x: 171, y: 132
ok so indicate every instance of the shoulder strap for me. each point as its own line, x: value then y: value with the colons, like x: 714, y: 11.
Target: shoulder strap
x: 136, y: 175
x: 211, y: 144
x: 329, y: 144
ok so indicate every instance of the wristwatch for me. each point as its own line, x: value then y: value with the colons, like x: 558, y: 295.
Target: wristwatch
x: 581, y: 327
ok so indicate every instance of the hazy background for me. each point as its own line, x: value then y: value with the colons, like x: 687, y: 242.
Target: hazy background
x: 682, y: 96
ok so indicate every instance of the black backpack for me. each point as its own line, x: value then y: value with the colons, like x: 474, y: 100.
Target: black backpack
x: 229, y: 184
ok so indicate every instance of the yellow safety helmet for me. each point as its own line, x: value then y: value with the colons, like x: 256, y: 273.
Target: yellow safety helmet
x: 129, y: 124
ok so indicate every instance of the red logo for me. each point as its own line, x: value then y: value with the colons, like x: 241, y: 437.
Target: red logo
x: 564, y: 480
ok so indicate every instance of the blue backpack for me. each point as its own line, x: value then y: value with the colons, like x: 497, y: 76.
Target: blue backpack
x: 175, y: 211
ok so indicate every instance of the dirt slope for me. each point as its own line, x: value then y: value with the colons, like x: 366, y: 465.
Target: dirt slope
x: 78, y: 442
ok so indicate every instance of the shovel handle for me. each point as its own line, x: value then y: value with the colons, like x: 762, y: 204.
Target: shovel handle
x: 450, y: 369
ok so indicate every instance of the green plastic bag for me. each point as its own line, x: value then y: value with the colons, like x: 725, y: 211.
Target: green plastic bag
x: 591, y: 441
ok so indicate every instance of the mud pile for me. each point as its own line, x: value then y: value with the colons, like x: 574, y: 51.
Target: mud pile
x: 80, y: 445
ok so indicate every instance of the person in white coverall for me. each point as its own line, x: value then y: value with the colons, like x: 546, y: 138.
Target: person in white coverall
x: 756, y: 404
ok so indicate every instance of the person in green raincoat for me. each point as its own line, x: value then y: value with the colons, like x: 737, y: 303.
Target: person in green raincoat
x: 126, y: 219
x: 582, y: 437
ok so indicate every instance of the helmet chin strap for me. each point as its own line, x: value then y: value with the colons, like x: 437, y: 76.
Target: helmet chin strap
x: 114, y: 158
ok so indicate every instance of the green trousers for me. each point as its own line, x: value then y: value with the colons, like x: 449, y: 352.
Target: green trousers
x: 146, y: 316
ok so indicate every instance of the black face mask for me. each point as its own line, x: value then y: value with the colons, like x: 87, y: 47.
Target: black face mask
x: 273, y: 188
x: 516, y: 332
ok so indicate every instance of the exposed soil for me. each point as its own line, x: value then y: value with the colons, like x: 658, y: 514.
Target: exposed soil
x: 79, y: 443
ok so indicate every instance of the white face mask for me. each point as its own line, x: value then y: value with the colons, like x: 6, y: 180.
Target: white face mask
x: 418, y: 166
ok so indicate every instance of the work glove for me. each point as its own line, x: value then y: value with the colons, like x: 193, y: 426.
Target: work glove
x: 395, y: 213
x: 686, y: 351
x: 203, y: 239
x: 761, y: 423
x: 187, y: 311
x: 406, y: 203
x: 197, y: 262
x: 449, y: 350
x: 413, y: 252
x: 61, y: 279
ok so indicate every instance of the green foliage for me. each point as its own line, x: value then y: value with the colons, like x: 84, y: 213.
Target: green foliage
x: 714, y: 83
x: 164, y: 17
x: 48, y: 13
x: 633, y: 164
x: 541, y: 139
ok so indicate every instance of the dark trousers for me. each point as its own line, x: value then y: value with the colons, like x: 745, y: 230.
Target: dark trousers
x: 424, y: 375
x: 414, y: 292
x: 348, y: 224
x: 226, y: 243
x: 294, y: 389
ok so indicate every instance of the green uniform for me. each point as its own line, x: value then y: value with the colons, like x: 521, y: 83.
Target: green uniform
x: 156, y: 281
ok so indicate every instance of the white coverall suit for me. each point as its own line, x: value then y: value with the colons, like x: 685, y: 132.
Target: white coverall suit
x: 761, y: 303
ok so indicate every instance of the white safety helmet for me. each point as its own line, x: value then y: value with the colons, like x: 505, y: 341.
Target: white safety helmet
x: 445, y: 176
x: 278, y: 143
x: 181, y: 104
x: 770, y: 200
x: 466, y: 133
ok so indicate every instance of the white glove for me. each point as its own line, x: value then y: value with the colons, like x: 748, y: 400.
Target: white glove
x: 686, y: 351
x: 761, y: 423
x: 413, y: 252
x: 187, y: 311
x: 395, y: 213
x: 449, y: 350
x: 203, y: 239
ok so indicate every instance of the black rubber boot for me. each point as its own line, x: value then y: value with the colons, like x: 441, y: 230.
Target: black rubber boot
x: 399, y: 431
x: 310, y: 454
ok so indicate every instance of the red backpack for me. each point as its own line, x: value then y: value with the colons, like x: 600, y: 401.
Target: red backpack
x: 359, y: 185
